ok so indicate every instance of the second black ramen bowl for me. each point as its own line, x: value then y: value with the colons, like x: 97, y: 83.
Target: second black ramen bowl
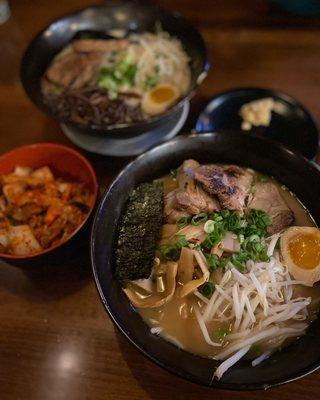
x: 102, y: 21
x: 261, y: 154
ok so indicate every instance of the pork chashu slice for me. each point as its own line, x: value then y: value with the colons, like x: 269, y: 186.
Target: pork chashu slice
x: 74, y: 70
x: 229, y: 183
x: 268, y: 199
x: 189, y: 198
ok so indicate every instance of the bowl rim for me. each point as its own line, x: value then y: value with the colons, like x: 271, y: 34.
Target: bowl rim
x: 136, y: 125
x: 213, y: 384
x: 93, y: 177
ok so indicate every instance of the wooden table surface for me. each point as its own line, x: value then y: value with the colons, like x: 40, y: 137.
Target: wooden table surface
x: 56, y: 341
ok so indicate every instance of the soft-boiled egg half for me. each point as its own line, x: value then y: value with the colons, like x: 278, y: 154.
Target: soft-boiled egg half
x: 158, y: 99
x: 300, y: 248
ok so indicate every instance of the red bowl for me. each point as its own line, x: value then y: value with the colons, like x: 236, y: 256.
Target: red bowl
x: 64, y: 162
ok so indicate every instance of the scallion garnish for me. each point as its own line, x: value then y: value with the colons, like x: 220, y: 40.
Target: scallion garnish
x: 207, y: 289
x: 172, y: 251
x: 182, y: 241
x: 169, y: 252
x: 199, y: 219
x: 209, y: 226
x: 249, y: 229
x: 213, y: 261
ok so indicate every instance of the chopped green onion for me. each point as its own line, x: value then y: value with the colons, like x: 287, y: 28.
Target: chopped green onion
x: 212, y: 261
x: 250, y: 229
x: 172, y: 251
x: 209, y: 226
x: 207, y: 289
x: 182, y: 241
x: 216, y: 216
x: 264, y: 257
x: 225, y: 213
x: 199, y: 219
x: 239, y: 261
x: 223, y: 262
x: 169, y: 252
x: 150, y: 82
x: 121, y: 73
x: 253, y: 238
x: 258, y: 219
x: 259, y: 247
x: 211, y: 240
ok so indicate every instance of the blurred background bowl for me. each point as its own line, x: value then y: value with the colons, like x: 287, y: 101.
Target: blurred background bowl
x: 65, y: 163
x: 294, y: 126
x: 101, y: 22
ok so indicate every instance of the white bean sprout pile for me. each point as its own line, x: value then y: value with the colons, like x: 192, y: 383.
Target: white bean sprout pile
x: 260, y: 305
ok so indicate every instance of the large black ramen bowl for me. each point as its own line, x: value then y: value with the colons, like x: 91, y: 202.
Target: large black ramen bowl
x: 291, y: 169
x: 103, y: 21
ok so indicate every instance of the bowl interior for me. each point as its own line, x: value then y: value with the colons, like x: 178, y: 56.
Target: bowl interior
x: 63, y: 161
x: 103, y: 21
x: 258, y: 153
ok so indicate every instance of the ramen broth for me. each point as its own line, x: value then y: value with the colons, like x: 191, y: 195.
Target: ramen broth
x: 176, y: 318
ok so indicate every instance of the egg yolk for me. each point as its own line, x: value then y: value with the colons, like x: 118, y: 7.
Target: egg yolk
x: 162, y: 94
x: 305, y: 250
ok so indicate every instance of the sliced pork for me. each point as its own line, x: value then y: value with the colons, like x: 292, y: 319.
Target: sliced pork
x: 74, y: 69
x: 231, y: 184
x: 268, y: 199
x: 189, y: 198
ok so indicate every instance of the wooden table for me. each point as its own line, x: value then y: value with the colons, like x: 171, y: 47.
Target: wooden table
x: 56, y: 341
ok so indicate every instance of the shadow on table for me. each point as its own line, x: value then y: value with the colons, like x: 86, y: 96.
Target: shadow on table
x: 51, y: 280
x: 161, y: 385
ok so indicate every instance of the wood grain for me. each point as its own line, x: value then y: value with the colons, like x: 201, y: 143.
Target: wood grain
x: 56, y: 342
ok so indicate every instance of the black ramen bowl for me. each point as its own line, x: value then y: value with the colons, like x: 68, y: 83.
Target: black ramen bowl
x: 102, y: 21
x: 261, y: 154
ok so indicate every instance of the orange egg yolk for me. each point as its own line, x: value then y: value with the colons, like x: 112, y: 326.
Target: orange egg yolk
x: 304, y: 250
x: 162, y: 94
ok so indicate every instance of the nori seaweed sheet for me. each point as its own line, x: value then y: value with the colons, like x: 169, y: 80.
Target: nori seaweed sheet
x: 139, y: 232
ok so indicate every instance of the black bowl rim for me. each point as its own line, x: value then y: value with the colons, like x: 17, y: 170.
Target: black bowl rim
x: 270, y: 92
x: 137, y: 125
x: 213, y: 384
